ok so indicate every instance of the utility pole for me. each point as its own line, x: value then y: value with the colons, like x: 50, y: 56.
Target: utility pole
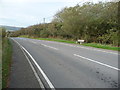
x: 44, y: 20
x: 44, y: 23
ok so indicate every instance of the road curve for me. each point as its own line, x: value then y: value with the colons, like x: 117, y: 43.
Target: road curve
x: 73, y: 66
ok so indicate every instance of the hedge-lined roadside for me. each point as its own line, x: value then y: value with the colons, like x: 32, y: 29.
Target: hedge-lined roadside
x: 96, y: 45
x: 6, y: 60
x: 92, y: 22
x: 102, y: 46
x: 0, y: 62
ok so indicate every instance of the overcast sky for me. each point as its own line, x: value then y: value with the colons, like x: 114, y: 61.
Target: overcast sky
x: 24, y: 13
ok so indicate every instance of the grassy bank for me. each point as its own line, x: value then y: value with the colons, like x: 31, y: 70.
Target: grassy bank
x: 57, y: 40
x: 103, y: 46
x: 96, y: 45
x: 6, y: 61
x: 0, y: 63
x: 50, y: 39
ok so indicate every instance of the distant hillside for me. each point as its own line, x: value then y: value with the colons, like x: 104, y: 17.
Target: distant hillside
x: 10, y: 28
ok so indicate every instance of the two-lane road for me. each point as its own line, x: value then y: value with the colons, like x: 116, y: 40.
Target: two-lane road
x: 73, y: 66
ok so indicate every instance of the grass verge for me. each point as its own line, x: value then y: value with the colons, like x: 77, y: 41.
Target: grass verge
x: 50, y: 39
x: 57, y: 40
x: 0, y: 63
x: 6, y: 61
x: 96, y: 45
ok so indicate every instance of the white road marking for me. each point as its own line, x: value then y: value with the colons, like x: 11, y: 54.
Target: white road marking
x: 45, y: 45
x: 42, y: 72
x: 49, y: 46
x: 35, y: 73
x: 90, y: 48
x: 33, y: 42
x: 97, y: 62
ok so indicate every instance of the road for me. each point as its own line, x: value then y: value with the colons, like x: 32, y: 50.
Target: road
x: 21, y: 74
x: 61, y: 65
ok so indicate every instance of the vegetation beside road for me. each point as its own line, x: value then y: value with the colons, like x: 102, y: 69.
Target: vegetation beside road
x: 103, y: 46
x: 6, y: 58
x: 96, y: 45
x: 50, y: 39
x: 94, y: 23
x: 0, y: 59
x: 6, y: 61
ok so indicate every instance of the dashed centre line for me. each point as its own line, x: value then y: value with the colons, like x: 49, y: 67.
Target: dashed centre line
x: 89, y: 48
x: 45, y: 45
x: 49, y: 46
x: 33, y: 42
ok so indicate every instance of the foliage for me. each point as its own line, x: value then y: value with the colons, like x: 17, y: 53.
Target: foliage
x: 92, y: 22
x: 6, y: 61
x: 96, y: 45
x: 2, y: 32
x: 103, y: 46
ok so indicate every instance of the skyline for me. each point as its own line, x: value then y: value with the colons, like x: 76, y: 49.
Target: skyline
x: 23, y: 13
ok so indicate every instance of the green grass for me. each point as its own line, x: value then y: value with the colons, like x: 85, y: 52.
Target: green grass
x: 96, y: 45
x: 0, y: 63
x: 6, y: 61
x: 25, y: 36
x: 50, y: 39
x: 57, y: 40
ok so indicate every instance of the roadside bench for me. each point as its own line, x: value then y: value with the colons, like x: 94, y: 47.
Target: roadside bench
x: 80, y: 41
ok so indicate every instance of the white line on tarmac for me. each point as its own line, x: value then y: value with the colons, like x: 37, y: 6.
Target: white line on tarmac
x: 50, y: 47
x: 33, y: 42
x: 89, y: 48
x: 45, y: 45
x: 35, y: 73
x: 42, y: 72
x: 97, y: 62
x: 92, y: 48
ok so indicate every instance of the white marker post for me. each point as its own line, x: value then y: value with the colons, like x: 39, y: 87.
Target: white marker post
x: 80, y: 41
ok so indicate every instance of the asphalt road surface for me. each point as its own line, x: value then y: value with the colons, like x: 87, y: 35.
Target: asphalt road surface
x: 61, y: 65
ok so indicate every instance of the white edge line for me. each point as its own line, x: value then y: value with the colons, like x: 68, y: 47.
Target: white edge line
x: 91, y: 48
x: 44, y: 75
x: 35, y: 73
x: 97, y: 62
